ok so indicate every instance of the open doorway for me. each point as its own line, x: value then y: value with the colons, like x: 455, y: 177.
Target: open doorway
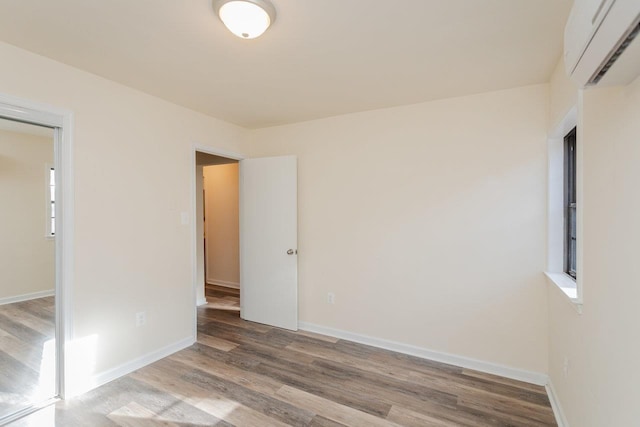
x: 217, y: 230
x: 265, y: 232
x: 55, y: 187
x: 27, y: 267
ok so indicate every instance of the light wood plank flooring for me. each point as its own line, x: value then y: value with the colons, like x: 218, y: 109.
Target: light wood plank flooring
x: 246, y: 374
x: 222, y: 298
x: 27, y: 360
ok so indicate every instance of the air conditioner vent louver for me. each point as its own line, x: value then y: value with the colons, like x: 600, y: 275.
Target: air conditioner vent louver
x: 615, y: 55
x: 599, y: 46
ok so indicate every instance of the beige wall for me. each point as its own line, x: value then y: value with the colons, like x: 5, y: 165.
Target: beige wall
x: 601, y: 388
x: 222, y: 224
x: 562, y: 97
x: 427, y: 222
x: 26, y: 254
x: 133, y: 161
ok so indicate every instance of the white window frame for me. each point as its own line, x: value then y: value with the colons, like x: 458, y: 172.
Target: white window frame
x: 570, y: 288
x: 48, y: 202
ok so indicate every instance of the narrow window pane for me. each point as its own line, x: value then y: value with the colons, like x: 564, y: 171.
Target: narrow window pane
x: 52, y: 199
x: 571, y: 265
x: 570, y: 180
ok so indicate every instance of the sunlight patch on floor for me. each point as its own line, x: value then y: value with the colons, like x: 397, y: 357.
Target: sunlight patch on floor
x: 41, y: 418
x: 7, y: 398
x: 136, y: 415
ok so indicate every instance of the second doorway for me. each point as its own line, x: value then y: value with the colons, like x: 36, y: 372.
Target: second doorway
x: 218, y: 232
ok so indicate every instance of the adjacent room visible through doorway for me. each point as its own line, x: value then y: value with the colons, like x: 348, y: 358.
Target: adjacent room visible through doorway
x: 217, y: 229
x: 27, y: 266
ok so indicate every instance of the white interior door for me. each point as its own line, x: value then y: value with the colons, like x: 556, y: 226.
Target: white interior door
x: 268, y: 241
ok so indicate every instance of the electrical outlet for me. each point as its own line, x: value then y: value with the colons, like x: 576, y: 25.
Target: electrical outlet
x: 141, y: 318
x: 331, y: 298
x: 565, y: 367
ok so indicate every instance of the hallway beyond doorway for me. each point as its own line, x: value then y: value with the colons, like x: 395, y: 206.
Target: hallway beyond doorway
x: 222, y: 298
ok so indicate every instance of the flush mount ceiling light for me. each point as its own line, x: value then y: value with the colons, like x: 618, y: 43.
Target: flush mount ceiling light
x: 246, y: 19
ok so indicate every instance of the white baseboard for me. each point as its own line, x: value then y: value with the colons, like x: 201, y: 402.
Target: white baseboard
x: 102, y: 378
x: 451, y: 359
x: 223, y: 283
x: 561, y: 419
x: 27, y: 297
x: 201, y: 301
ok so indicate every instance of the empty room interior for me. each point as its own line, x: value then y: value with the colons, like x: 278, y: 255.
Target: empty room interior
x: 319, y: 213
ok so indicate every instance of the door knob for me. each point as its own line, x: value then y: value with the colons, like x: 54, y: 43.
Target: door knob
x: 291, y: 251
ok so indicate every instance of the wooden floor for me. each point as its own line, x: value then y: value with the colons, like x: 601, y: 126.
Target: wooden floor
x: 27, y: 354
x: 246, y: 374
x: 222, y: 298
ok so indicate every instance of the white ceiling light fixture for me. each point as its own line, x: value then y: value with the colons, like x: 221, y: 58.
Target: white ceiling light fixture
x: 246, y: 19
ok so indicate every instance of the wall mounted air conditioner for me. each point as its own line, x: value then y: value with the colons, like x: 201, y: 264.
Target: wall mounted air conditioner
x: 599, y: 45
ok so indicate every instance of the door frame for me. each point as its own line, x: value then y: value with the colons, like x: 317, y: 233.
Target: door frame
x: 61, y: 120
x: 195, y: 147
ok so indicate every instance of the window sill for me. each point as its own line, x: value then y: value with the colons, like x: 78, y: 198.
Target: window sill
x: 568, y: 287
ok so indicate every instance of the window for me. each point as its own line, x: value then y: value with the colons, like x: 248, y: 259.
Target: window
x: 570, y: 203
x: 51, y: 201
x: 563, y: 210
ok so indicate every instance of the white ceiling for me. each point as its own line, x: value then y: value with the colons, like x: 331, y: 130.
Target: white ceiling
x: 320, y: 58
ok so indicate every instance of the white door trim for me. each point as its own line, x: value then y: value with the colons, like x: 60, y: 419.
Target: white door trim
x: 62, y: 120
x: 194, y: 238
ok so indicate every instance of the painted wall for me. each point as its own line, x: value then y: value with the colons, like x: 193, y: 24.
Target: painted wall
x: 133, y: 163
x: 563, y: 95
x: 27, y: 256
x: 602, y: 344
x: 222, y: 224
x: 427, y: 222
